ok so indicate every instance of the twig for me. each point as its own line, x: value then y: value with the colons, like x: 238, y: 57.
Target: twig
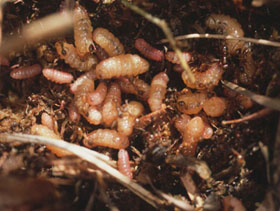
x: 226, y: 37
x: 84, y: 154
x: 45, y: 28
x: 260, y: 99
x: 163, y: 25
x: 253, y: 116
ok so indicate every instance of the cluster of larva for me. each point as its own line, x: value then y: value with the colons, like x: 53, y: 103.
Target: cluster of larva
x: 102, y: 57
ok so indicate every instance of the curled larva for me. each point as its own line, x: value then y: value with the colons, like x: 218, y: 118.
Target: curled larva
x: 26, y: 72
x: 42, y: 130
x: 82, y: 31
x: 108, y: 42
x: 74, y: 114
x: 147, y: 50
x: 68, y: 53
x: 134, y: 86
x: 232, y: 203
x: 126, y: 121
x: 90, y: 75
x: 111, y: 104
x: 80, y: 97
x: 98, y: 95
x: 229, y: 26
x: 172, y: 57
x: 47, y: 120
x: 204, y: 80
x: 106, y: 138
x: 157, y: 91
x: 123, y: 163
x: 191, y: 103
x: 57, y: 76
x: 122, y: 65
x: 215, y: 106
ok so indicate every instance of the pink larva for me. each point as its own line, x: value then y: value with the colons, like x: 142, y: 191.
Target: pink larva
x: 230, y: 26
x: 106, y: 138
x: 26, y: 72
x: 74, y: 115
x: 57, y: 76
x: 106, y: 40
x: 205, y: 80
x: 123, y: 163
x: 82, y: 31
x: 157, y: 91
x: 47, y: 120
x: 68, y: 53
x: 97, y: 96
x: 122, y: 65
x: 172, y: 57
x: 90, y: 75
x: 111, y: 104
x: 181, y: 122
x: 147, y: 50
x: 80, y: 97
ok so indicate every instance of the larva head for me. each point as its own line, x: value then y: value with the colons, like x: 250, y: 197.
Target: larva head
x: 61, y: 49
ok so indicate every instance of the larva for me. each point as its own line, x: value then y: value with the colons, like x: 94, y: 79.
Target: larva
x: 123, y: 163
x: 74, y: 114
x: 98, y: 95
x: 122, y: 65
x: 106, y: 138
x: 82, y: 31
x: 147, y: 50
x: 181, y: 122
x: 80, y: 97
x: 191, y: 103
x: 68, y: 53
x: 106, y: 40
x: 47, y: 120
x: 229, y: 26
x: 90, y: 75
x: 157, y: 91
x: 134, y: 86
x: 111, y: 104
x: 126, y: 121
x: 205, y: 80
x: 57, y: 76
x: 42, y: 130
x: 26, y: 72
x: 215, y: 106
x: 172, y: 57
x: 93, y: 116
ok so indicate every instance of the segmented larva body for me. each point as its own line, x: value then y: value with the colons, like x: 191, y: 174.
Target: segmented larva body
x: 157, y: 91
x: 42, y: 130
x: 106, y: 40
x: 4, y: 61
x: 126, y: 121
x: 80, y: 98
x: 124, y: 164
x: 232, y: 203
x: 147, y: 50
x: 172, y: 57
x: 98, y: 95
x: 68, y: 53
x: 82, y: 31
x: 111, y: 104
x: 90, y: 75
x: 229, y: 26
x: 191, y: 103
x: 122, y: 65
x: 57, y: 76
x: 204, y: 80
x: 215, y: 106
x: 47, y: 120
x: 74, y: 114
x: 134, y: 86
x: 181, y: 122
x: 106, y: 138
x: 26, y: 72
